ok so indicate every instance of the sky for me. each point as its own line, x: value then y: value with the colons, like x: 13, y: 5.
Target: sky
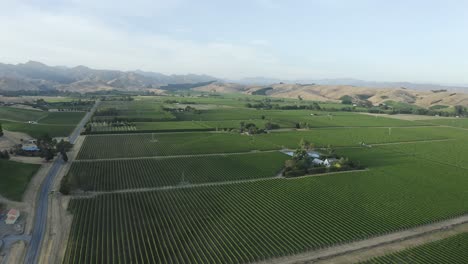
x: 375, y: 40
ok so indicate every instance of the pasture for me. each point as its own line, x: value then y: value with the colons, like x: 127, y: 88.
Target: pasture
x: 15, y: 177
x: 56, y: 124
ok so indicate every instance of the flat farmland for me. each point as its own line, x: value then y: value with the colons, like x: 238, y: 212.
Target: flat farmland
x: 449, y: 250
x: 56, y: 124
x: 22, y: 115
x: 163, y: 144
x: 145, y: 145
x: 64, y: 118
x: 15, y: 178
x: 291, y: 117
x: 146, y: 173
x: 189, y: 125
x: 246, y: 222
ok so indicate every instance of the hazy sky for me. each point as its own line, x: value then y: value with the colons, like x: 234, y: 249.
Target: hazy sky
x: 397, y: 40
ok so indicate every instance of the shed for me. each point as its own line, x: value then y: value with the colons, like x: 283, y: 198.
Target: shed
x: 30, y: 147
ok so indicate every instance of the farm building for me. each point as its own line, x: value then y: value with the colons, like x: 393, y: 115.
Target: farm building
x: 12, y: 216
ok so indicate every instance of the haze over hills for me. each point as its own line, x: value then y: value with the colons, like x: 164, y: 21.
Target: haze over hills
x: 36, y: 76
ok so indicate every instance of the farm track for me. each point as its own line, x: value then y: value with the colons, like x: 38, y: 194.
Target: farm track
x: 172, y: 187
x: 180, y: 156
x: 328, y: 254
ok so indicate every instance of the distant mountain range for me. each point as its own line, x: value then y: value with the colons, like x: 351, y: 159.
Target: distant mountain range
x: 353, y: 82
x: 38, y: 76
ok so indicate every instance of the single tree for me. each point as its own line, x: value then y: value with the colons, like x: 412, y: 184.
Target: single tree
x: 1, y: 130
x: 64, y: 156
x: 48, y: 154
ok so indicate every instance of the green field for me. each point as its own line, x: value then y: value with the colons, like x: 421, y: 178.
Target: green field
x: 142, y: 145
x: 246, y: 222
x: 62, y: 118
x: 416, y: 175
x: 449, y: 250
x: 21, y: 115
x: 152, y: 114
x: 15, y: 178
x: 56, y: 124
x: 453, y: 122
x: 145, y: 173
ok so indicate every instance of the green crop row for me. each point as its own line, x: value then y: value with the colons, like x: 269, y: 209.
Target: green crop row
x: 141, y: 145
x: 246, y: 222
x: 146, y: 173
x: 446, y: 251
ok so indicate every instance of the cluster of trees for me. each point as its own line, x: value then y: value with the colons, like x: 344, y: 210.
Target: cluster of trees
x: 252, y: 129
x: 1, y: 130
x: 116, y: 98
x: 170, y: 101
x: 48, y: 148
x: 301, y: 162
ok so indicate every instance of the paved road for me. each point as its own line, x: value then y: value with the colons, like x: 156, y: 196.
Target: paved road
x: 40, y: 218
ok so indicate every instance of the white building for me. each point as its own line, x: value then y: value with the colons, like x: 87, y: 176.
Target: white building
x: 330, y: 162
x: 317, y: 161
x: 12, y: 216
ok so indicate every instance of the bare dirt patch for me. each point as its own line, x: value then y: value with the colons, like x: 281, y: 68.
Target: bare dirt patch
x: 10, y: 138
x: 30, y: 195
x: 16, y: 253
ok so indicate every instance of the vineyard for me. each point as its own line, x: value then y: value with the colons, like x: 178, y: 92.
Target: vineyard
x: 212, y: 195
x: 449, y: 250
x: 145, y: 173
x: 111, y: 127
x: 143, y: 145
x: 259, y: 220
